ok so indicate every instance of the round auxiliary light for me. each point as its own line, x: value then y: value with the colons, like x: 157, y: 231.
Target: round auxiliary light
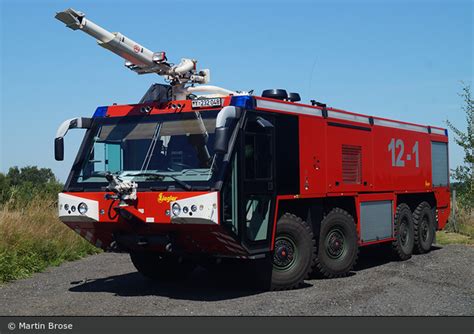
x: 194, y: 208
x: 176, y: 209
x: 73, y: 208
x: 185, y: 209
x: 82, y: 208
x: 66, y: 207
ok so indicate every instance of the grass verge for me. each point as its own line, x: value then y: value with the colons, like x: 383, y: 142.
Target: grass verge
x: 446, y: 238
x: 463, y: 233
x: 32, y: 239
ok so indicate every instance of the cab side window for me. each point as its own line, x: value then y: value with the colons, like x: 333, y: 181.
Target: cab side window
x: 258, y: 157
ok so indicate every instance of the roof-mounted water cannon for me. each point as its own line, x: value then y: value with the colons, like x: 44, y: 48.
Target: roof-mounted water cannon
x: 138, y: 58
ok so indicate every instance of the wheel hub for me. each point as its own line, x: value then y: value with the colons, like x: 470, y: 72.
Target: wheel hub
x: 424, y: 230
x: 335, y: 244
x: 285, y: 253
x: 403, y: 233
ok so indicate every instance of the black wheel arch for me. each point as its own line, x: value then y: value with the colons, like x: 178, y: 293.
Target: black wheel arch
x: 313, y: 210
x: 413, y: 200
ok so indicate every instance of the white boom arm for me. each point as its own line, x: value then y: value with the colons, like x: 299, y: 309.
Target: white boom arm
x: 137, y: 57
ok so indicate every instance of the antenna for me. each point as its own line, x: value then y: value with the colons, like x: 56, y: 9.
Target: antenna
x: 138, y: 58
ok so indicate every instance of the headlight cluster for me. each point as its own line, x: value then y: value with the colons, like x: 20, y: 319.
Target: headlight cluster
x: 176, y: 209
x: 81, y: 208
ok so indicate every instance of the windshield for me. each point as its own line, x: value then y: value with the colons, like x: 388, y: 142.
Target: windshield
x: 169, y: 149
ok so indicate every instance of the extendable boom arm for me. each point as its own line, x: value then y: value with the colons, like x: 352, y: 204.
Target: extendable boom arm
x: 137, y: 57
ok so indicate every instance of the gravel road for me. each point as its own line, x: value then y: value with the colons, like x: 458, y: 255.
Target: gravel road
x: 438, y: 283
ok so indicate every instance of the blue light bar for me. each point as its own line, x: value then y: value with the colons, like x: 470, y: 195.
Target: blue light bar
x: 244, y: 101
x: 100, y: 112
x: 446, y: 132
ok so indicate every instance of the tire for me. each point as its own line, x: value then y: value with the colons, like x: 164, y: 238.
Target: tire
x: 424, y: 225
x: 337, y: 247
x: 404, y: 233
x: 156, y: 266
x: 294, y: 253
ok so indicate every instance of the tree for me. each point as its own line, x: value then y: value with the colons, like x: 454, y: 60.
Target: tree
x: 4, y: 188
x: 21, y: 185
x: 464, y: 173
x: 30, y: 174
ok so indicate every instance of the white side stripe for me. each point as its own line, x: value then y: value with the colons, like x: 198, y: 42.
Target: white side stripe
x: 348, y: 117
x: 273, y: 105
x: 286, y: 107
x: 438, y: 131
x: 397, y: 125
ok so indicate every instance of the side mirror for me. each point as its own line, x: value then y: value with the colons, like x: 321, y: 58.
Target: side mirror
x: 221, y: 140
x: 73, y: 123
x: 59, y: 149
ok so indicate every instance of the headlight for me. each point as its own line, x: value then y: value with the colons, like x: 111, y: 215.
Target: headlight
x: 66, y: 207
x: 193, y: 208
x: 176, y: 209
x: 73, y: 208
x: 82, y: 208
x: 185, y: 209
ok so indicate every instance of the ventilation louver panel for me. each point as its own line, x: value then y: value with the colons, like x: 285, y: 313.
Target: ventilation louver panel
x: 351, y: 164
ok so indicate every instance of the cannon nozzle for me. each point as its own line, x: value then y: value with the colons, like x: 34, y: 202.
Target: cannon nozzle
x: 71, y: 18
x: 119, y: 44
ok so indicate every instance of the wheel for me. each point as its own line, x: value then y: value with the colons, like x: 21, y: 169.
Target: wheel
x: 403, y: 230
x: 293, y: 254
x: 424, y: 225
x: 160, y: 267
x: 337, y: 246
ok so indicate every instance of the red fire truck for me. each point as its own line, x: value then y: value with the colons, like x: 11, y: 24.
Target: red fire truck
x: 182, y: 179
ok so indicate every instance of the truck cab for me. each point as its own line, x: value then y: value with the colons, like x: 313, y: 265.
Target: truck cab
x: 202, y: 171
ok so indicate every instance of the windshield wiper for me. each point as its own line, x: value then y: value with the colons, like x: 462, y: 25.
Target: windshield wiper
x: 188, y: 171
x: 161, y: 177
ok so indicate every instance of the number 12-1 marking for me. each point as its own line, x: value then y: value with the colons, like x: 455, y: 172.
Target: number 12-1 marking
x: 398, y: 161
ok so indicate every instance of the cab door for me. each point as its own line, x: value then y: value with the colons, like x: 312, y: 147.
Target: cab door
x: 257, y: 184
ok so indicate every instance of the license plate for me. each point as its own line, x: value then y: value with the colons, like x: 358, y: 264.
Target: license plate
x: 207, y: 103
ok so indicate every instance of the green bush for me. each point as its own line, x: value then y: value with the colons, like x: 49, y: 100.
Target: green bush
x: 31, y: 236
x: 21, y: 185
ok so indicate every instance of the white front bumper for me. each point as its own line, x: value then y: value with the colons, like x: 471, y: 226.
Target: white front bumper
x: 72, y: 214
x: 206, y: 210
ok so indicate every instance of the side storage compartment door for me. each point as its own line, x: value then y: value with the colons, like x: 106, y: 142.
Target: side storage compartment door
x: 440, y: 180
x: 376, y: 217
x: 349, y: 156
x: 439, y: 164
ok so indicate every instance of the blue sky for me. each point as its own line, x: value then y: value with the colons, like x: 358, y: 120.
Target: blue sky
x: 395, y: 59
